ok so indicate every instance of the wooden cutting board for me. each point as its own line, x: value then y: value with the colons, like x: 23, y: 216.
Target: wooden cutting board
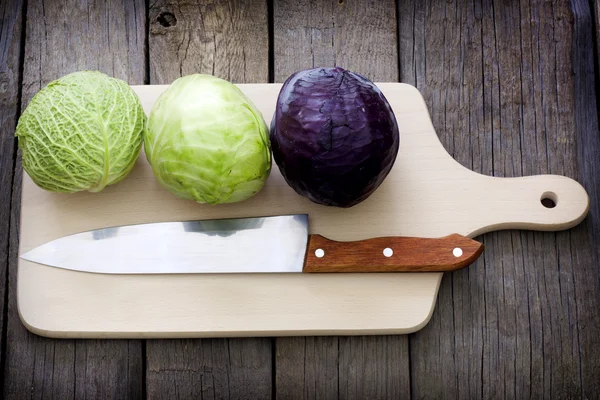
x: 427, y: 194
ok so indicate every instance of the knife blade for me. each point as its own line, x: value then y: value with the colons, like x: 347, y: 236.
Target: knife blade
x: 274, y: 244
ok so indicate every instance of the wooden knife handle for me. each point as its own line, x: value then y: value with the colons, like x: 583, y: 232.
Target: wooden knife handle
x: 391, y: 254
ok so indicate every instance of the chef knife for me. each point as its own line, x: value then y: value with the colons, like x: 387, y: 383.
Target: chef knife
x: 275, y: 244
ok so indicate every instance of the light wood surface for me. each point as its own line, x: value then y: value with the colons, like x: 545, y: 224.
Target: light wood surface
x: 427, y: 194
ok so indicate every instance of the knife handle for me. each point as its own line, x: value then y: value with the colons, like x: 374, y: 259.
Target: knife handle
x: 391, y: 254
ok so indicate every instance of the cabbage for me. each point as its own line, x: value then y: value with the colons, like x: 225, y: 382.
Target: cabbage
x: 334, y: 136
x: 207, y: 142
x: 81, y: 132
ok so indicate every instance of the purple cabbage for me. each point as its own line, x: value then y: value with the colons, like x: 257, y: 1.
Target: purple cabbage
x: 334, y: 136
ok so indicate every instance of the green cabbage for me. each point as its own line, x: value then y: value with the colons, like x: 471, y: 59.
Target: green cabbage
x: 83, y: 131
x: 207, y: 142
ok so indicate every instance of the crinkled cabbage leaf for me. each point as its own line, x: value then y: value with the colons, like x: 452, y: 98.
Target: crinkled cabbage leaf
x: 83, y: 131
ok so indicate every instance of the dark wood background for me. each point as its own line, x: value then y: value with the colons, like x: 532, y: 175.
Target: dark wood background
x: 512, y: 88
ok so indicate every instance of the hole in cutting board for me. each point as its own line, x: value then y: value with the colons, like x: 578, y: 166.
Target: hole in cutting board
x: 549, y: 199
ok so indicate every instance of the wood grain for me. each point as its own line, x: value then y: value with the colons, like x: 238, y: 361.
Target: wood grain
x: 225, y: 38
x: 108, y: 37
x: 10, y: 67
x: 345, y: 367
x: 207, y: 369
x: 356, y: 35
x: 307, y: 368
x: 407, y: 254
x: 595, y: 4
x: 497, y: 79
x: 583, y: 241
x: 359, y: 36
x: 423, y: 49
x: 228, y: 39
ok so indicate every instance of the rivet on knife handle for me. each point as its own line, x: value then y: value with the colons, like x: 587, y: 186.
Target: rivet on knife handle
x: 391, y: 254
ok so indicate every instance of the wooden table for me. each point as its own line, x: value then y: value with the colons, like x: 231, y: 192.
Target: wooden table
x: 512, y: 89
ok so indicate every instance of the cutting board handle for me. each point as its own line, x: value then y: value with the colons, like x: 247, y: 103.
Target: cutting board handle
x: 540, y: 202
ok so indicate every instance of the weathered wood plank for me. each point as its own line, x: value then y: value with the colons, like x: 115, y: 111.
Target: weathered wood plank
x: 307, y: 367
x: 497, y: 77
x: 63, y: 37
x: 228, y: 39
x: 206, y: 369
x: 225, y: 38
x: 596, y: 19
x: 359, y: 36
x: 10, y: 76
x: 584, y: 240
x: 430, y: 59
